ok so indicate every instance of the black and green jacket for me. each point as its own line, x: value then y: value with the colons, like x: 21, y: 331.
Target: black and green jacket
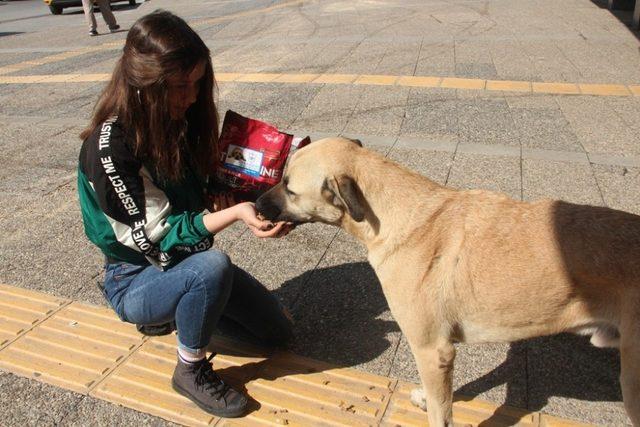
x: 127, y: 213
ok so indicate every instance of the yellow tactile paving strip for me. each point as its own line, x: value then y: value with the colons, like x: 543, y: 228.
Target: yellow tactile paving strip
x: 368, y: 79
x: 87, y: 349
x: 307, y: 392
x: 6, y: 69
x: 21, y: 310
x: 75, y: 348
x: 465, y: 411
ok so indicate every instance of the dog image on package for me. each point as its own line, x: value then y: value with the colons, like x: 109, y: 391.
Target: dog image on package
x: 473, y: 266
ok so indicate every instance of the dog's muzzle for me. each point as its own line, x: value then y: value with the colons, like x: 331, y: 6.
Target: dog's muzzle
x: 268, y: 209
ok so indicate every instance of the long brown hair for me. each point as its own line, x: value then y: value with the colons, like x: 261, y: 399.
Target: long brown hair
x: 160, y: 45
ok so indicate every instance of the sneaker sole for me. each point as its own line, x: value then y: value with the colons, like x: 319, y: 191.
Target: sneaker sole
x: 217, y: 412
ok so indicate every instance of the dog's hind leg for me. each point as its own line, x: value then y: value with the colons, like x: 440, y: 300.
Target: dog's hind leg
x: 630, y: 365
x: 435, y: 365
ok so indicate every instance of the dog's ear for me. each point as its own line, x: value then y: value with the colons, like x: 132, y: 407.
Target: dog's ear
x: 347, y: 194
x: 356, y: 141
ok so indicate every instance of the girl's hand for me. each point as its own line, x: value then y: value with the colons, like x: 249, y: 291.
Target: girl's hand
x: 217, y: 221
x: 280, y: 229
x: 261, y: 228
x: 277, y: 230
x: 283, y: 228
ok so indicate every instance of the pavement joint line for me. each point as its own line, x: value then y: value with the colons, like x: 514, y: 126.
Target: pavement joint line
x: 491, y: 150
x: 409, y: 142
x: 426, y: 82
x: 613, y: 160
x: 579, y: 157
x: 59, y: 56
x: 387, y: 402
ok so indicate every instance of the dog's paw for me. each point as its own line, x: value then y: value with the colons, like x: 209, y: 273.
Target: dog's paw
x: 418, y: 399
x: 606, y: 337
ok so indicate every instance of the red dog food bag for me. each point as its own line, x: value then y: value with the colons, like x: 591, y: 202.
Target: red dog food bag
x: 253, y: 155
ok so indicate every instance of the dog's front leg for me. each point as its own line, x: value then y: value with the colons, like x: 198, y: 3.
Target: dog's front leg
x: 435, y: 365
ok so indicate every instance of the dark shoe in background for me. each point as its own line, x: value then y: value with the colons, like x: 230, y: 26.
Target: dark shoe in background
x: 157, y: 330
x: 114, y: 28
x: 198, y: 382
x: 93, y: 33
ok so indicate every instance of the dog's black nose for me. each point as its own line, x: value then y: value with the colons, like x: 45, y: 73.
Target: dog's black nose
x: 268, y: 209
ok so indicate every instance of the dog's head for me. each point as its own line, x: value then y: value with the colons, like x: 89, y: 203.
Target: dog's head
x: 318, y: 185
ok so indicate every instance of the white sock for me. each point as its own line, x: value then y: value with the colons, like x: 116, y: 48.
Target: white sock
x: 191, y: 357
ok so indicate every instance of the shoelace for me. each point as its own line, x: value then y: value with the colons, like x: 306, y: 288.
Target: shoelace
x: 209, y: 380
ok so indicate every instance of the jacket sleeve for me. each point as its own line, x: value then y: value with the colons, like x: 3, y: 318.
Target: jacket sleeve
x: 174, y: 233
x: 139, y: 212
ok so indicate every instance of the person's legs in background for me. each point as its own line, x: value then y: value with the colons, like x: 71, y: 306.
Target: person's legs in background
x: 87, y: 6
x: 105, y: 9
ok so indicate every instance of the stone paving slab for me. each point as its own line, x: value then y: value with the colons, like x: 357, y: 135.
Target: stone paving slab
x: 599, y: 128
x: 559, y: 180
x: 274, y: 103
x: 499, y: 174
x: 334, y: 320
x: 61, y: 261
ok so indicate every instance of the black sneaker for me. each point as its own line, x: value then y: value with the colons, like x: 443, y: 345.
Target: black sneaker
x: 156, y: 330
x: 203, y: 386
x: 114, y: 28
x: 93, y: 33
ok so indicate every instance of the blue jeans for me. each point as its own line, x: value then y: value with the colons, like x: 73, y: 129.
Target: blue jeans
x: 195, y: 293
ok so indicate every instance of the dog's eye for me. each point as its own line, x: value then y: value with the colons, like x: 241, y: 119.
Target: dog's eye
x: 289, y: 192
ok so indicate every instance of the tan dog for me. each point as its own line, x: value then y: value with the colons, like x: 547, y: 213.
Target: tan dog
x: 473, y: 266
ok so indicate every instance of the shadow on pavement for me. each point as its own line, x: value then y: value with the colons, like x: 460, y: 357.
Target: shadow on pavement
x: 564, y: 365
x: 338, y: 314
x: 335, y: 312
x: 10, y: 33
